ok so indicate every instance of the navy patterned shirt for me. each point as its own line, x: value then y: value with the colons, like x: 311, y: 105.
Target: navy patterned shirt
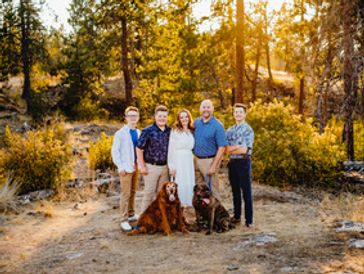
x: 154, y: 142
x: 242, y: 135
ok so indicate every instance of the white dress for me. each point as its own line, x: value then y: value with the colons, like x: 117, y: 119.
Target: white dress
x: 180, y: 158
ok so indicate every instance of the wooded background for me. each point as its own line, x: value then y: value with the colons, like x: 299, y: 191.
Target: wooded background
x: 308, y: 54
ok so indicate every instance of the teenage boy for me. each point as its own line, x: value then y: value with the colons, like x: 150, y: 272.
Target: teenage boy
x: 152, y: 153
x: 124, y: 157
x: 240, y: 139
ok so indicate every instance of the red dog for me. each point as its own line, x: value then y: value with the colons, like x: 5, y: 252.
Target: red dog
x: 163, y: 214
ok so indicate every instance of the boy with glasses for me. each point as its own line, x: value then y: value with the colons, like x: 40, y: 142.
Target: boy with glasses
x: 124, y: 157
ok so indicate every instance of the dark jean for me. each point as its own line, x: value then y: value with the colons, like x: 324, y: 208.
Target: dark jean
x: 241, y: 180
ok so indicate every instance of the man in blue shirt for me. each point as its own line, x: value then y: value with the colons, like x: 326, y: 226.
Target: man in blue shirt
x: 152, y: 153
x: 240, y: 144
x: 209, y: 147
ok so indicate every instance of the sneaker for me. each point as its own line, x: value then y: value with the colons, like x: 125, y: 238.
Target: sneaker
x: 133, y: 218
x: 249, y: 226
x: 125, y: 226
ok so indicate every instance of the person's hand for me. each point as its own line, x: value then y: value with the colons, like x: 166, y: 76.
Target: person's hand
x: 172, y: 172
x: 212, y: 170
x: 122, y: 173
x: 143, y: 169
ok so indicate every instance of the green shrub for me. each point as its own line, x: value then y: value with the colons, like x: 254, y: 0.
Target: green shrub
x: 37, y: 159
x: 288, y: 150
x: 100, y: 153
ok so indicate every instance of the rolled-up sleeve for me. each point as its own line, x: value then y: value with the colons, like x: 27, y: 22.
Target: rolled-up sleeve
x: 143, y: 139
x: 220, y: 136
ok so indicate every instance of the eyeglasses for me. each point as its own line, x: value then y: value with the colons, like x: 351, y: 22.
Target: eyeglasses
x: 132, y: 116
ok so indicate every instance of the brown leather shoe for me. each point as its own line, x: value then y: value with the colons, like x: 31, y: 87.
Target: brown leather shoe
x: 235, y: 220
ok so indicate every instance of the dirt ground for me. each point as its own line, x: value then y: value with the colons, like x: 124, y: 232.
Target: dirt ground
x: 62, y: 237
x: 80, y: 233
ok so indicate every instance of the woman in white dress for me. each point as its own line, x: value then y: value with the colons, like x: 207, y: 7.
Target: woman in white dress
x: 180, y: 157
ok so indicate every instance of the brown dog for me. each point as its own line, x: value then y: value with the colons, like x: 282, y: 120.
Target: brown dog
x: 163, y: 214
x: 209, y: 209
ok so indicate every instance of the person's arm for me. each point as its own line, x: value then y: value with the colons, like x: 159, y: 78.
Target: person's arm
x: 171, y: 156
x: 222, y: 143
x: 142, y: 142
x: 238, y: 149
x: 141, y: 163
x: 216, y: 162
x: 116, y: 154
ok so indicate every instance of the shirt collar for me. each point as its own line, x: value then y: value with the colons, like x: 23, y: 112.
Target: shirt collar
x: 165, y: 130
x: 210, y: 120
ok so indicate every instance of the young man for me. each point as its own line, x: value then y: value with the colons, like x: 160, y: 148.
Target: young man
x: 124, y: 157
x: 152, y: 153
x: 209, y: 147
x: 240, y: 144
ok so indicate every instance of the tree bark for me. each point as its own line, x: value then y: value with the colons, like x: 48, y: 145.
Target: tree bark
x: 124, y: 60
x: 301, y: 100
x: 323, y: 88
x: 348, y: 71
x: 25, y: 43
x: 256, y: 69
x: 240, y: 54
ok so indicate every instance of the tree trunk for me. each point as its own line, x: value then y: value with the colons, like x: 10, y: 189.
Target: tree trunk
x: 256, y: 69
x: 349, y: 70
x: 25, y: 43
x: 124, y: 60
x: 240, y: 55
x: 301, y: 100
x: 267, y: 53
x: 323, y: 88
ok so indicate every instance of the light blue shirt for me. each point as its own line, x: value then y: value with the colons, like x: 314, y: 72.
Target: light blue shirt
x: 242, y: 135
x: 209, y: 137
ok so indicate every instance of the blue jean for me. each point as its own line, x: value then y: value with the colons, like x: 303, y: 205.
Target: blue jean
x: 241, y: 181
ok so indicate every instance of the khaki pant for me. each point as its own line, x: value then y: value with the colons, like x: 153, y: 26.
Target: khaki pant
x: 128, y: 186
x: 201, y: 169
x: 157, y: 175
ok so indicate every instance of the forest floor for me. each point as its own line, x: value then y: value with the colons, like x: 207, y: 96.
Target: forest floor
x: 294, y: 232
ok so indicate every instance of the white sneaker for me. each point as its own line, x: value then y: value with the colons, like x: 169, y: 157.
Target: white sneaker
x: 133, y: 218
x: 125, y: 226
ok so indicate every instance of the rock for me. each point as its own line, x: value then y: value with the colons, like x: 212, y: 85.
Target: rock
x: 75, y: 183
x: 73, y: 255
x: 350, y: 226
x: 76, y: 151
x: 37, y: 195
x: 110, y: 193
x: 23, y: 199
x: 291, y: 269
x: 257, y: 240
x: 232, y: 267
x: 104, y: 184
x: 32, y: 213
x: 356, y: 243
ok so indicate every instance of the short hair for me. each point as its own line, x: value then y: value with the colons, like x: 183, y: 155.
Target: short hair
x: 239, y: 105
x: 160, y: 108
x: 131, y: 108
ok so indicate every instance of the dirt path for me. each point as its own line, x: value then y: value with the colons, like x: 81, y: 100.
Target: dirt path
x: 88, y: 240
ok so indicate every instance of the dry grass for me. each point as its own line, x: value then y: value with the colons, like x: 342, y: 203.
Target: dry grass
x: 46, y: 207
x: 345, y: 206
x: 8, y: 195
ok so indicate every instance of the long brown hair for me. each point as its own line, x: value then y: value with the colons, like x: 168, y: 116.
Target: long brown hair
x: 178, y: 124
